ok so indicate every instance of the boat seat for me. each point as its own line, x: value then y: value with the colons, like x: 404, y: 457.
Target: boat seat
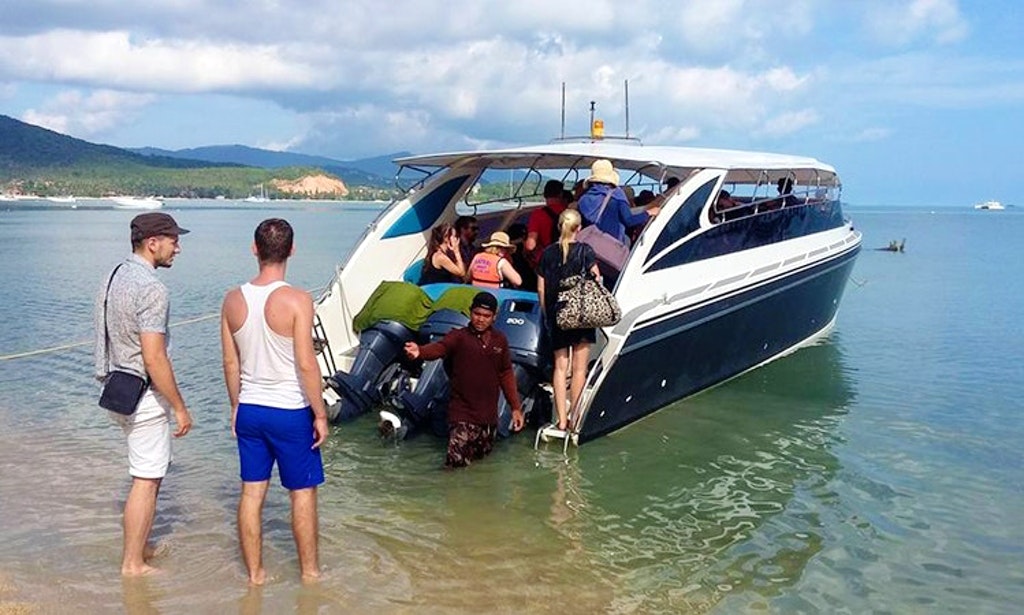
x: 412, y: 272
x: 436, y: 290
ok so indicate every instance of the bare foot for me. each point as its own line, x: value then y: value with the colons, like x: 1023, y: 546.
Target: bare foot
x: 258, y: 578
x: 311, y: 577
x: 139, y: 571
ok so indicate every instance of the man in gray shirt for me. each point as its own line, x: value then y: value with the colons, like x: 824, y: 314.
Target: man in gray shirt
x: 132, y: 336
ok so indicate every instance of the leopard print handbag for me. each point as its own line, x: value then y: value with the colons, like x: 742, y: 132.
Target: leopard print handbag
x: 583, y: 303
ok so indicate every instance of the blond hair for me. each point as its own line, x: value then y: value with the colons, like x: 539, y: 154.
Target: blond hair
x: 569, y: 221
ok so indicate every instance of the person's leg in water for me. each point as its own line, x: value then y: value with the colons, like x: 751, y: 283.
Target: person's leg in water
x: 250, y: 528
x: 139, y: 512
x: 559, y: 384
x: 305, y: 530
x: 580, y: 360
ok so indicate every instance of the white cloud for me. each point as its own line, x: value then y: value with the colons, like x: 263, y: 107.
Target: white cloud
x: 788, y: 123
x: 871, y: 134
x: 85, y: 115
x: 117, y: 59
x: 937, y: 21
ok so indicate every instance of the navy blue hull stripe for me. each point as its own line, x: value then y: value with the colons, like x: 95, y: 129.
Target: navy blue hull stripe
x: 708, y: 344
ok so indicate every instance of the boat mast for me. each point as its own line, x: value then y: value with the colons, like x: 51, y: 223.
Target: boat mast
x: 563, y: 111
x: 626, y: 86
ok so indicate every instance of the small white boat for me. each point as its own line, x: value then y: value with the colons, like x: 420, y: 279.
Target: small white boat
x: 137, y: 202
x: 260, y: 198
x: 992, y: 205
x: 61, y: 199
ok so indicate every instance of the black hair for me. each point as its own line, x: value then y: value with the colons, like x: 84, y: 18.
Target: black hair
x: 553, y: 189
x: 463, y: 222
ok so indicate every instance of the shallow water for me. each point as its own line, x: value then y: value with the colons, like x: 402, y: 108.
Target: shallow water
x: 878, y: 471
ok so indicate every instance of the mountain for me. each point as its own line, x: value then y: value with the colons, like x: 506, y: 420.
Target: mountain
x: 27, y: 147
x: 41, y: 162
x: 376, y: 171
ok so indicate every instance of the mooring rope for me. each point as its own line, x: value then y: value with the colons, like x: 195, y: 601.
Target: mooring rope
x: 189, y: 321
x: 41, y: 351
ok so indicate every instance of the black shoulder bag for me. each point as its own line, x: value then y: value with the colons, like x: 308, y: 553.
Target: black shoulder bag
x: 122, y: 390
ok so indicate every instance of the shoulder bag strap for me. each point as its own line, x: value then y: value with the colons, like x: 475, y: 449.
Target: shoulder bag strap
x: 106, y: 332
x: 604, y: 204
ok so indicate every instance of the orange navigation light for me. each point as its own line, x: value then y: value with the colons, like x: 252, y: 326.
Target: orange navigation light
x: 597, y: 129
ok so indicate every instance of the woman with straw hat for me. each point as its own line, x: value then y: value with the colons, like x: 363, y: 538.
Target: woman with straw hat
x: 606, y: 205
x: 491, y: 268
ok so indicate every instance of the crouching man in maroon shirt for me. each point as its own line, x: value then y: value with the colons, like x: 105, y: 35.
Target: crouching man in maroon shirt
x: 478, y: 364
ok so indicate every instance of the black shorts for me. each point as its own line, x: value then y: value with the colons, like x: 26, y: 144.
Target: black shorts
x: 561, y: 338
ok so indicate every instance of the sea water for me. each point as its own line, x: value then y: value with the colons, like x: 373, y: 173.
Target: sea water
x: 879, y: 471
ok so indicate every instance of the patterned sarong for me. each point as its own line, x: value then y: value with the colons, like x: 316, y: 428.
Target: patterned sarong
x: 468, y: 442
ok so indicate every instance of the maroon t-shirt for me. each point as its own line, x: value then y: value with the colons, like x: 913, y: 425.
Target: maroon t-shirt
x: 477, y: 364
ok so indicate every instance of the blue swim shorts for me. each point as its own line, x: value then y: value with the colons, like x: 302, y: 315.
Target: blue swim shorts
x: 266, y: 435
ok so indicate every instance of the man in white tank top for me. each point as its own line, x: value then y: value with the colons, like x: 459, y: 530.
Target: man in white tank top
x: 275, y: 389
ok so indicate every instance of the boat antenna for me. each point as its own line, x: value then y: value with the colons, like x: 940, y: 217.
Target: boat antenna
x: 563, y: 110
x: 626, y: 84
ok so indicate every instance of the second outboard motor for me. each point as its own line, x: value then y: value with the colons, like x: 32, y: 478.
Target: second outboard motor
x: 522, y: 322
x: 379, y: 347
x: 424, y: 405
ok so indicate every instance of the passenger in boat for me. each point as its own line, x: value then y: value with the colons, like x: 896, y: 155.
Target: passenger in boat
x: 560, y: 261
x: 492, y: 268
x: 542, y: 225
x: 443, y: 263
x: 277, y: 407
x: 517, y: 234
x: 479, y: 364
x: 577, y: 191
x: 723, y: 204
x: 568, y: 198
x: 467, y: 229
x: 131, y: 316
x: 603, y: 192
x: 785, y: 198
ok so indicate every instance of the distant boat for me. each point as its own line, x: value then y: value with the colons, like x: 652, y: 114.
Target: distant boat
x: 61, y: 199
x: 261, y: 198
x: 137, y: 202
x: 993, y: 205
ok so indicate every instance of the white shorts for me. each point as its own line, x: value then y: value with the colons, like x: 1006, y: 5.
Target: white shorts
x: 149, y: 436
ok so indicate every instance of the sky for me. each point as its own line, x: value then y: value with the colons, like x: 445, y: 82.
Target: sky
x: 915, y: 102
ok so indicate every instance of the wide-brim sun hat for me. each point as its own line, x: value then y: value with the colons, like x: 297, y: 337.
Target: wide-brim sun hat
x: 498, y: 240
x: 603, y: 172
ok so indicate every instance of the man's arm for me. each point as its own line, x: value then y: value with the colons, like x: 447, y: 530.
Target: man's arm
x: 427, y: 352
x: 161, y: 377
x: 305, y: 361
x: 229, y: 352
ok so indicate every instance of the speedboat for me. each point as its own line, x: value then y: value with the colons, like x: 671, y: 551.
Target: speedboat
x: 706, y: 295
x: 136, y: 202
x: 991, y: 205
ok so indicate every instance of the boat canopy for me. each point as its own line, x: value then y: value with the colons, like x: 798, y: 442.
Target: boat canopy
x: 741, y: 166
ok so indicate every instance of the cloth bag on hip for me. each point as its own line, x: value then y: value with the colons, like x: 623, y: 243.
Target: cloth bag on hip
x: 122, y: 390
x: 585, y: 303
x: 609, y: 249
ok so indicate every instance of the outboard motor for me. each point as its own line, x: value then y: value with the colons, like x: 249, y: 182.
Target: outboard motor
x: 365, y: 385
x: 522, y: 322
x: 422, y: 405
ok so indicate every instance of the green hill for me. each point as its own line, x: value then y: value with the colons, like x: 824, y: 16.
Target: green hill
x: 35, y: 160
